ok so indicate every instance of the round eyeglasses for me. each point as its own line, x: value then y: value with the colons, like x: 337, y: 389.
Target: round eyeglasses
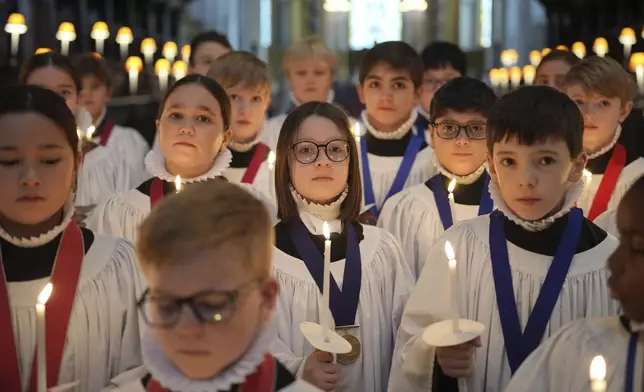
x: 450, y: 130
x: 307, y: 152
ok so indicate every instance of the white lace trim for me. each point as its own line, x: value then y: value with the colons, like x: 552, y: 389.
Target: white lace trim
x: 423, y: 113
x: 326, y: 212
x: 463, y: 180
x: 155, y: 164
x: 245, y: 147
x: 612, y: 143
x: 395, y: 135
x: 44, y: 238
x: 164, y: 371
x: 570, y: 200
x: 329, y: 97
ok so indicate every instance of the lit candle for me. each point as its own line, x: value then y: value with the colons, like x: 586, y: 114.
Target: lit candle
x: 179, y: 69
x: 170, y: 51
x: 628, y: 39
x: 588, y: 176
x: 453, y: 285
x: 271, y: 168
x: 356, y: 132
x: 178, y: 184
x: 509, y: 57
x: 42, y: 51
x: 562, y: 48
x: 16, y: 26
x: 162, y: 69
x: 504, y: 78
x: 185, y: 53
x: 66, y: 34
x: 535, y: 58
x: 598, y: 374
x: 148, y: 48
x: 124, y: 38
x: 545, y: 52
x: 89, y: 132
x: 494, y: 77
x: 326, y: 284
x: 41, y: 342
x: 100, y: 32
x: 133, y: 66
x: 600, y: 46
x: 450, y: 196
x: 529, y: 72
x: 637, y: 65
x: 271, y: 160
x: 579, y: 49
x: 515, y: 77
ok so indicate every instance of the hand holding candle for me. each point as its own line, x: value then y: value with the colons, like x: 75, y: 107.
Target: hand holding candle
x: 598, y: 374
x: 326, y: 283
x: 453, y: 280
x: 41, y: 340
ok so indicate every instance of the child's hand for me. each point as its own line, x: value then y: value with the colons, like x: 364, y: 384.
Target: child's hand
x: 457, y: 361
x: 320, y: 371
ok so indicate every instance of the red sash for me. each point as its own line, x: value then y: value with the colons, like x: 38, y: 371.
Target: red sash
x: 64, y: 278
x: 107, y: 131
x: 609, y: 180
x: 156, y: 191
x: 255, y: 163
x: 263, y: 380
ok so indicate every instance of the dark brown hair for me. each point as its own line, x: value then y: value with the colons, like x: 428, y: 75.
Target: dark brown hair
x: 87, y: 64
x: 287, y: 210
x: 559, y: 55
x: 50, y: 59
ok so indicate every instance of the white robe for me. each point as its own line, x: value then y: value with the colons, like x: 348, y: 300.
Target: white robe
x: 412, y: 217
x: 271, y: 132
x: 102, y: 174
x: 608, y: 221
x: 631, y: 173
x: 130, y: 145
x: 562, y: 363
x: 264, y: 180
x: 103, y: 334
x: 136, y: 386
x: 386, y: 283
x: 584, y: 294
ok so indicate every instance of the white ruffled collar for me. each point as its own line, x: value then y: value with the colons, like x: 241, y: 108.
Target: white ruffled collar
x: 463, y: 180
x: 395, y: 135
x: 570, y: 200
x: 425, y: 114
x: 164, y: 371
x: 44, y: 238
x: 321, y: 212
x: 607, y: 148
x: 245, y: 147
x: 330, y: 96
x: 155, y: 164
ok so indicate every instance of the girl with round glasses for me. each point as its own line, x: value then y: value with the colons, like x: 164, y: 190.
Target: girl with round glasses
x: 317, y: 181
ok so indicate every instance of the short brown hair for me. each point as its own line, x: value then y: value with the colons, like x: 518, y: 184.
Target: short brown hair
x: 287, y: 210
x: 604, y: 76
x: 88, y: 64
x: 308, y: 49
x: 206, y: 218
x: 241, y: 69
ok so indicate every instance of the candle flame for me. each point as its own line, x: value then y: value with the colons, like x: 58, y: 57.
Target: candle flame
x: 449, y: 251
x: 43, y: 297
x: 326, y: 231
x: 356, y: 130
x: 451, y: 186
x: 177, y: 183
x: 90, y: 131
x: 598, y: 368
x: 588, y: 174
x: 271, y: 158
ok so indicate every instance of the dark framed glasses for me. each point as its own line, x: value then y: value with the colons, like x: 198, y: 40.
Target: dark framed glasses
x: 307, y: 152
x: 209, y: 307
x: 451, y: 130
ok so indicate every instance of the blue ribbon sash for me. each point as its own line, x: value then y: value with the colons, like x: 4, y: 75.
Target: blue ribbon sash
x: 401, y: 176
x: 519, y: 345
x: 442, y: 201
x: 343, y: 303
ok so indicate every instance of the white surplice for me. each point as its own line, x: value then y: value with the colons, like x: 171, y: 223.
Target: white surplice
x: 130, y: 145
x: 121, y: 215
x: 103, y: 331
x: 584, y: 295
x: 386, y: 283
x: 608, y: 221
x: 412, y: 217
x: 101, y: 175
x: 562, y: 363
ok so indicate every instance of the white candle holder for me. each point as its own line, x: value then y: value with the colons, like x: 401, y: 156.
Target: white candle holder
x: 327, y: 341
x: 442, y: 333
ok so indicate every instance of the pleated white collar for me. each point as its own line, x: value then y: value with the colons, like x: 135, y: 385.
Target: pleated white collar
x: 155, y: 164
x: 330, y: 96
x: 44, y: 238
x: 395, y: 135
x: 313, y: 215
x: 171, y: 378
x: 604, y: 150
x: 570, y: 200
x: 463, y: 180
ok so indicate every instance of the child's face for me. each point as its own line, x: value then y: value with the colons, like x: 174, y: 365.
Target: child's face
x: 310, y: 80
x: 94, y: 95
x: 205, y: 54
x: 461, y: 155
x: 388, y: 94
x: 249, y: 107
x: 223, y: 290
x: 601, y: 114
x: 58, y: 81
x: 533, y: 179
x: 433, y: 79
x: 626, y: 264
x: 36, y: 168
x: 191, y: 130
x: 323, y: 179
x: 552, y: 73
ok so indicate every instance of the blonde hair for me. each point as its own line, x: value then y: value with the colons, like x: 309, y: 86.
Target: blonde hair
x: 206, y: 218
x: 308, y: 49
x: 241, y: 69
x: 604, y: 76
